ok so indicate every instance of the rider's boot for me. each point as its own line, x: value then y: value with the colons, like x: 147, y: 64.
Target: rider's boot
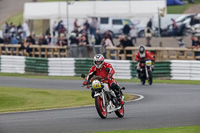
x: 116, y: 89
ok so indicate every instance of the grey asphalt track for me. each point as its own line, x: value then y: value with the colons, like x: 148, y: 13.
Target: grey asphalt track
x: 164, y: 105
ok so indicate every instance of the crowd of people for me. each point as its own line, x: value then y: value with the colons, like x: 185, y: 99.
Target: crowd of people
x: 87, y: 34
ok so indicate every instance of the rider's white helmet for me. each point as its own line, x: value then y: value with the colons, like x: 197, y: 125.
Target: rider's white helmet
x: 98, y: 60
x: 142, y: 51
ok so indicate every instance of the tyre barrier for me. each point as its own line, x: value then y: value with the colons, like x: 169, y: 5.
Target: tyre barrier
x: 124, y: 69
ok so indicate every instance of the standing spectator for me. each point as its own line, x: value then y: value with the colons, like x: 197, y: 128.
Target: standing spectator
x: 195, y: 45
x: 5, y: 28
x: 93, y: 26
x: 83, y: 50
x: 87, y: 25
x: 148, y: 35
x: 54, y: 27
x: 76, y: 23
x: 149, y: 24
x: 97, y: 47
x: 13, y: 30
x: 59, y: 26
x: 126, y: 29
x: 25, y: 29
x: 107, y: 43
x: 121, y: 43
x: 133, y: 34
x: 174, y: 28
x: 98, y: 38
x: 128, y: 43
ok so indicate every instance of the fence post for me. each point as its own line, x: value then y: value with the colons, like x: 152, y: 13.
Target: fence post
x: 108, y: 53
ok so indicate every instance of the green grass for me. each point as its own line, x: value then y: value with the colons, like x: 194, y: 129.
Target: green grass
x: 195, y: 82
x: 179, y: 9
x: 14, y: 99
x: 187, y: 129
x: 16, y: 18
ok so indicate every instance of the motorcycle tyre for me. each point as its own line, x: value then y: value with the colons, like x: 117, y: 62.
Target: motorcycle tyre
x: 120, y: 112
x: 143, y: 81
x: 150, y: 80
x: 98, y: 104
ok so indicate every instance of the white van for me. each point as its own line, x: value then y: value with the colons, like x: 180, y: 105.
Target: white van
x: 115, y: 25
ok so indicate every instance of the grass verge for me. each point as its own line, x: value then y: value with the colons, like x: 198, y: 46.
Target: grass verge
x: 195, y: 82
x: 14, y: 99
x: 187, y: 129
x: 179, y: 9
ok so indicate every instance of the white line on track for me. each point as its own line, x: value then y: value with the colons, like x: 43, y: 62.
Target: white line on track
x: 140, y: 98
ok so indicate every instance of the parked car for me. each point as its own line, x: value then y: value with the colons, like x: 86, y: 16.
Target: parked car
x: 183, y: 23
x: 115, y: 25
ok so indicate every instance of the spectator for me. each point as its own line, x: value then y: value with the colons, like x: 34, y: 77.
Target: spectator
x: 25, y: 29
x: 98, y: 38
x: 133, y: 35
x: 128, y: 43
x: 84, y: 30
x: 31, y: 39
x: 148, y: 35
x: 121, y: 43
x: 54, y: 27
x: 126, y: 29
x: 93, y: 26
x: 83, y: 41
x: 62, y: 41
x: 195, y: 44
x: 174, y: 28
x: 149, y: 24
x: 87, y: 25
x: 76, y: 23
x: 42, y: 41
x: 108, y: 34
x: 1, y: 40
x: 13, y: 40
x: 73, y: 39
x: 76, y: 31
x: 58, y: 27
x: 107, y: 43
x: 49, y: 39
x: 13, y: 30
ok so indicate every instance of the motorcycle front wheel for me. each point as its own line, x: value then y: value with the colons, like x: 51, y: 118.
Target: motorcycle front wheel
x: 120, y: 112
x: 143, y: 81
x: 150, y: 78
x: 102, y: 111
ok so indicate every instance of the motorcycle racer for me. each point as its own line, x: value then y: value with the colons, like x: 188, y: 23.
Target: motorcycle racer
x: 104, y: 70
x: 142, y: 55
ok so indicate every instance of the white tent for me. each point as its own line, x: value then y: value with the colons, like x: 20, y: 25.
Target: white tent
x: 82, y: 9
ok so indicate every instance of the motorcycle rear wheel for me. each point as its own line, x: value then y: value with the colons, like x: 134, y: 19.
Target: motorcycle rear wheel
x: 120, y: 112
x: 102, y: 111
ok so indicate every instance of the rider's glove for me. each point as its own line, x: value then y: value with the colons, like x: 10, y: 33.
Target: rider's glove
x: 85, y: 82
x: 109, y: 76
